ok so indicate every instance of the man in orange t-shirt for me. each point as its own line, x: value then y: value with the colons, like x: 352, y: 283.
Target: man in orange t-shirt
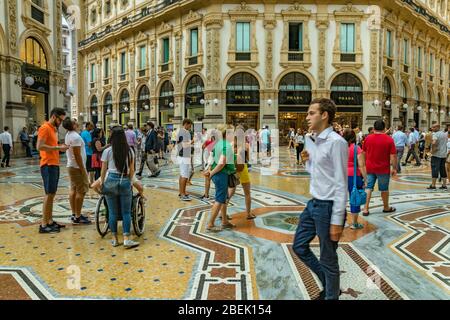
x: 49, y: 149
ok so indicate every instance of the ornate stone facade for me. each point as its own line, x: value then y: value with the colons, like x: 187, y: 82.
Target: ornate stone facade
x: 270, y: 60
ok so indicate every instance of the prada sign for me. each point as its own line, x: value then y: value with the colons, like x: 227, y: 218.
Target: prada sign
x: 242, y: 97
x: 294, y: 98
x: 347, y: 98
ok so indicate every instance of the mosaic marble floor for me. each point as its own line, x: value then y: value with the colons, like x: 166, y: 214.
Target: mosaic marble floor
x: 404, y: 255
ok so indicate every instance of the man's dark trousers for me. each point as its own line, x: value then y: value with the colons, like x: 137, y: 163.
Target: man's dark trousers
x: 6, y: 152
x: 315, y: 220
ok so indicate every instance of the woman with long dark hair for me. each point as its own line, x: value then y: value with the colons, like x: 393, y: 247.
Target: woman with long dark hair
x: 99, y: 145
x: 118, y: 161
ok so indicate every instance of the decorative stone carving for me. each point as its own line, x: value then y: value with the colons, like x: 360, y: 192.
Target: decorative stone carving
x: 374, y: 60
x: 141, y: 36
x: 269, y: 25
x: 58, y: 36
x: 350, y: 8
x: 296, y: 8
x: 165, y: 27
x: 12, y: 25
x: 243, y: 7
x: 322, y: 25
x: 193, y: 16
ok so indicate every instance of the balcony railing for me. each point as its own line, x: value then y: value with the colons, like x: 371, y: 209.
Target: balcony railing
x: 348, y: 57
x: 165, y: 67
x: 92, y: 85
x: 243, y: 56
x: 142, y: 14
x: 105, y: 82
x: 419, y: 74
x: 441, y: 82
x: 295, y: 56
x: 193, y: 60
x: 405, y: 69
x: 431, y: 78
x: 123, y: 77
x: 142, y: 73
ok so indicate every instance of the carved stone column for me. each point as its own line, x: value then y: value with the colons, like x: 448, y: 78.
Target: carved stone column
x: 214, y: 114
x: 132, y: 85
x: 269, y: 112
x: 322, y: 24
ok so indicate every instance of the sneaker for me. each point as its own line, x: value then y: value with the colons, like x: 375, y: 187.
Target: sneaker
x: 57, y: 225
x: 431, y: 187
x: 115, y: 243
x: 356, y: 226
x: 185, y: 198
x: 48, y: 229
x: 81, y: 220
x: 128, y: 244
x: 443, y: 188
x: 205, y: 198
x: 156, y: 174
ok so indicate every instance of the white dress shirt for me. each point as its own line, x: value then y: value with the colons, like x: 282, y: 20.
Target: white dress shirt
x: 6, y: 138
x: 327, y: 164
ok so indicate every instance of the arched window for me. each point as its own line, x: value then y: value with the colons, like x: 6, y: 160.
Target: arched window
x: 404, y: 91
x: 194, y: 91
x: 33, y: 53
x: 94, y: 109
x: 124, y: 96
x: 243, y: 88
x: 347, y: 89
x: 387, y: 89
x: 166, y: 95
x: 107, y: 103
x: 143, y: 98
x: 295, y: 89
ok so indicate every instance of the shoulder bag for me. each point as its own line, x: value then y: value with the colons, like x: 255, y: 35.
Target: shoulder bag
x: 358, y: 197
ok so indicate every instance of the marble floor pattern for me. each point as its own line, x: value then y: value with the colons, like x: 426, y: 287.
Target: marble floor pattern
x: 398, y: 256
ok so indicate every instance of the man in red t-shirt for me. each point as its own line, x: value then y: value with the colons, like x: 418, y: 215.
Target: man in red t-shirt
x: 380, y: 153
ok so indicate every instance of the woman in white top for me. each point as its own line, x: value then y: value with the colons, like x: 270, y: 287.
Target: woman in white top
x: 299, y: 143
x: 118, y: 161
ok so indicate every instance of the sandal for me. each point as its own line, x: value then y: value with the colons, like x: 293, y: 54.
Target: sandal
x: 214, y: 229
x: 228, y: 226
x: 251, y: 216
x: 391, y: 209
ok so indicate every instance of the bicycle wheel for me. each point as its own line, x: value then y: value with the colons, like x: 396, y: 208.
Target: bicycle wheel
x: 138, y: 215
x: 101, y: 216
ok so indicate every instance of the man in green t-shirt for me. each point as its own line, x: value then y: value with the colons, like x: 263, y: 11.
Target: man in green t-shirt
x: 221, y: 168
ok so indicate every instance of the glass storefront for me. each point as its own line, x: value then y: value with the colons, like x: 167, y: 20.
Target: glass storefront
x: 124, y: 107
x: 166, y: 104
x: 347, y: 93
x: 294, y: 98
x: 107, y: 112
x: 194, y: 96
x: 243, y: 101
x: 94, y: 110
x: 143, y: 106
x: 387, y: 108
x: 248, y: 119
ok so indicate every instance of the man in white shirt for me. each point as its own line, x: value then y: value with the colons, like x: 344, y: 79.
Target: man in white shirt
x: 326, y: 157
x: 7, y: 146
x: 413, y: 139
x: 79, y: 181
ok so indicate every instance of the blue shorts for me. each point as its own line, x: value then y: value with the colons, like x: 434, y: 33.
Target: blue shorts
x: 50, y: 176
x: 220, y: 180
x: 359, y: 185
x: 383, y: 181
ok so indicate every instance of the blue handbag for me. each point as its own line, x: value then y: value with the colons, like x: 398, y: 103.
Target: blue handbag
x: 358, y: 197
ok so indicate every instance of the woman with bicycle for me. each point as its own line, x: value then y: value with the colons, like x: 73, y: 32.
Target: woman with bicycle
x: 118, y: 162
